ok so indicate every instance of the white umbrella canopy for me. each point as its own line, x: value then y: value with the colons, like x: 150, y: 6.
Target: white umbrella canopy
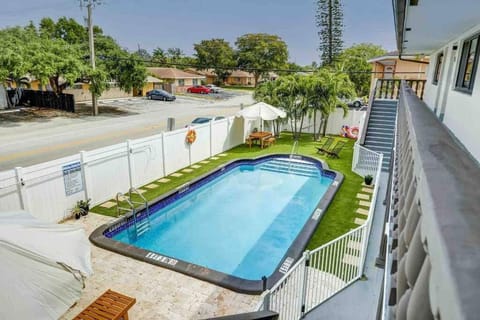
x: 42, y: 268
x: 261, y: 110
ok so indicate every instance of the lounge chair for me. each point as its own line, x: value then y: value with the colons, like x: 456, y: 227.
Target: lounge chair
x: 336, y: 150
x: 110, y: 305
x: 324, y: 147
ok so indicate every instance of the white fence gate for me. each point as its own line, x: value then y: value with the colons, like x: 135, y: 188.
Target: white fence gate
x: 50, y: 190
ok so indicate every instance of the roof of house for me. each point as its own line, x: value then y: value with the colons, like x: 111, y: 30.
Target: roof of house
x: 394, y: 55
x: 151, y: 79
x: 173, y: 73
x: 241, y: 74
x: 206, y: 72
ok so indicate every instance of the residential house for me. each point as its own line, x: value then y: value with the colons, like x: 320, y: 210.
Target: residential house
x: 393, y: 66
x: 210, y: 76
x: 180, y: 79
x: 240, y: 78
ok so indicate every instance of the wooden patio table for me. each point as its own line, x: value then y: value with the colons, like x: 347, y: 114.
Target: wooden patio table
x: 261, y: 135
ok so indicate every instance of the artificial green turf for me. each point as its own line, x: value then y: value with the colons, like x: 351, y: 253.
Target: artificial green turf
x: 337, y: 220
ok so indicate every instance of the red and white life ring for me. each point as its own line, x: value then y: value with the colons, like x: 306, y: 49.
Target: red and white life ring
x: 191, y: 136
x: 350, y: 132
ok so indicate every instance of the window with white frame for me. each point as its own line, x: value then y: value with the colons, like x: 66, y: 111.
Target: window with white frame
x: 468, y: 65
x: 181, y: 82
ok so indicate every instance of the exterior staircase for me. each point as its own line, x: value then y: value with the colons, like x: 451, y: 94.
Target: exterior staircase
x: 381, y: 129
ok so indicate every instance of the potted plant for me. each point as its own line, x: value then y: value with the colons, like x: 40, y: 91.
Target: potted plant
x: 84, y: 205
x: 368, y: 179
x: 77, y: 211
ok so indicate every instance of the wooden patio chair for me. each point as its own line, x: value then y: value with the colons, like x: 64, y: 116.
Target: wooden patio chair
x: 109, y: 306
x: 334, y: 153
x: 324, y: 148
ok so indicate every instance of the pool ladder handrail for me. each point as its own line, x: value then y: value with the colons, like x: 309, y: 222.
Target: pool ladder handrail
x: 144, y: 225
x: 119, y: 208
x: 292, y: 153
x: 294, y: 149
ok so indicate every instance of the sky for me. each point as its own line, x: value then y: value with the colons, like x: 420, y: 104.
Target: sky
x: 181, y: 23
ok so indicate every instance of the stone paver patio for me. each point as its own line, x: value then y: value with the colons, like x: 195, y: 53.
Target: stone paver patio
x: 160, y: 293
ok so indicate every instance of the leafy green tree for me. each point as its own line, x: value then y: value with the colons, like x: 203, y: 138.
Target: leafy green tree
x: 143, y: 54
x: 159, y: 56
x: 113, y: 62
x: 15, y: 61
x: 217, y: 55
x: 261, y: 53
x: 353, y: 61
x: 329, y: 19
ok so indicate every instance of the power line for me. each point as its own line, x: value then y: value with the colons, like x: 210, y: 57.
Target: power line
x: 230, y: 68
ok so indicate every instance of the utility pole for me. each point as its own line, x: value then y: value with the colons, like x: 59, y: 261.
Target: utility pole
x: 92, y: 51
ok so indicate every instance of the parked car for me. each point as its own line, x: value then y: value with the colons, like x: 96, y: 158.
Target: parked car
x: 205, y: 119
x: 163, y: 95
x: 355, y: 103
x: 199, y: 89
x: 213, y: 88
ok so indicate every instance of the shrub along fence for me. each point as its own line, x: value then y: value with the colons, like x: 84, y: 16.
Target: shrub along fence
x: 50, y: 190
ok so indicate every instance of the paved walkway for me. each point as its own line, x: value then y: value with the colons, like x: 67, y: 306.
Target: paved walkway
x: 359, y: 301
x: 160, y: 293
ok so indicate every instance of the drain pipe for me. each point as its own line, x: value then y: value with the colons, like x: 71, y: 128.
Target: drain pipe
x: 411, y: 60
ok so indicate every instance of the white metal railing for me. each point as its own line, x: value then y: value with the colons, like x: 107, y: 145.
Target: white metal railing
x: 365, y: 161
x: 321, y: 273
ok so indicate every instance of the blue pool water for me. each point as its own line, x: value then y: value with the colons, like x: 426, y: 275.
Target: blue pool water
x: 241, y: 223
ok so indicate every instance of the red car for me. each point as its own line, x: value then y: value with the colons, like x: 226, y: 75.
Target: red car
x: 199, y: 89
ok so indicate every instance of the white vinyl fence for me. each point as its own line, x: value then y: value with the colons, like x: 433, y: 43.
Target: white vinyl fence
x: 321, y: 273
x: 50, y: 190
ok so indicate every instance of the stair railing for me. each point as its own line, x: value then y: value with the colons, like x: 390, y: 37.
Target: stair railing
x: 371, y: 98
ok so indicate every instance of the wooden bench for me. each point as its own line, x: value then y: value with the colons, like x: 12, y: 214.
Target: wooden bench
x: 268, y: 141
x: 109, y: 306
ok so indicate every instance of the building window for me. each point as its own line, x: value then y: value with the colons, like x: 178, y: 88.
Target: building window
x: 195, y: 82
x: 181, y: 82
x: 468, y: 65
x: 438, y: 68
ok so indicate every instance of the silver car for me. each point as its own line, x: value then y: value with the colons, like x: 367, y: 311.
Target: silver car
x: 213, y: 88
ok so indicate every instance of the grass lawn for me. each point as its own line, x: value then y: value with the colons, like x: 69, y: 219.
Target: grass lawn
x: 336, y: 221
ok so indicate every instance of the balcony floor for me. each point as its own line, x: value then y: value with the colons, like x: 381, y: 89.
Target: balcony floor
x: 359, y: 301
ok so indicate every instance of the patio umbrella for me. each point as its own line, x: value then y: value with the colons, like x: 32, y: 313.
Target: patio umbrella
x: 42, y: 269
x: 262, y: 111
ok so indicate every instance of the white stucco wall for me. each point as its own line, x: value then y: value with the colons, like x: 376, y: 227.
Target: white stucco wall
x: 460, y: 111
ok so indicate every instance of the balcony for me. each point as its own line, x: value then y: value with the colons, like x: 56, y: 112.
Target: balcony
x: 433, y: 247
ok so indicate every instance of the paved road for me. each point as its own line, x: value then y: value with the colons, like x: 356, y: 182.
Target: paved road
x: 27, y: 142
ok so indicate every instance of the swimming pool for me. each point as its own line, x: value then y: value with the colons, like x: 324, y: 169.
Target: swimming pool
x: 246, y: 220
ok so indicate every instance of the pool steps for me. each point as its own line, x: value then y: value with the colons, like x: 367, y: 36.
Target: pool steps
x: 294, y: 166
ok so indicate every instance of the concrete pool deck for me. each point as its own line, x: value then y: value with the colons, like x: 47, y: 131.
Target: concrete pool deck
x: 160, y: 293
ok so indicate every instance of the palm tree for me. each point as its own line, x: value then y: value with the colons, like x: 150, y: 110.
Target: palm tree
x: 338, y: 89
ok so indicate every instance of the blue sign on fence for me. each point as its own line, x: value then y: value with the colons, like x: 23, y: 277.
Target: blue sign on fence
x: 72, y: 178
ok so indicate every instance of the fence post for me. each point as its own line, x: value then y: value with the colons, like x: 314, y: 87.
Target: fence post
x: 306, y: 256
x: 86, y: 181
x: 130, y: 162
x: 163, y: 154
x: 22, y: 192
x: 211, y: 138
